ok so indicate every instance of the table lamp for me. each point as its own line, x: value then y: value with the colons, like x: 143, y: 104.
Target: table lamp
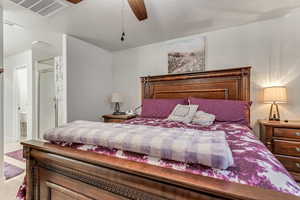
x: 117, y: 99
x: 275, y: 95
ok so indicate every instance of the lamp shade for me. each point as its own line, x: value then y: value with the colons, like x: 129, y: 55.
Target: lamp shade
x: 275, y: 94
x: 116, y: 98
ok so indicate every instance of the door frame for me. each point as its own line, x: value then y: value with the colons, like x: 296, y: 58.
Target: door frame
x: 39, y: 72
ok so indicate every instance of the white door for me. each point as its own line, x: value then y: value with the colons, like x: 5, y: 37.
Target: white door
x: 46, y: 101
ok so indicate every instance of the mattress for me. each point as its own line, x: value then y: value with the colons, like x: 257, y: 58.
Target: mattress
x: 254, y: 164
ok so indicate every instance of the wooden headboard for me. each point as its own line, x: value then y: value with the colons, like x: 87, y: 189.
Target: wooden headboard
x: 232, y: 84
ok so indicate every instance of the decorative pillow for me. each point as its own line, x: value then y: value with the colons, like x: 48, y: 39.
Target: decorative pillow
x: 225, y: 110
x: 203, y: 118
x: 183, y: 113
x: 159, y: 108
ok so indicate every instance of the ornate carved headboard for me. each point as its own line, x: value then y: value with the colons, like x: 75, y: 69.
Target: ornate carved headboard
x: 233, y: 84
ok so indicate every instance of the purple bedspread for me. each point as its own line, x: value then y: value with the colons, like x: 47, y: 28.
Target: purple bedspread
x: 254, y: 164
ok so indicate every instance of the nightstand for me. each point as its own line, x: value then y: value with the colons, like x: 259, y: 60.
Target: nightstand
x: 283, y: 140
x: 117, y: 118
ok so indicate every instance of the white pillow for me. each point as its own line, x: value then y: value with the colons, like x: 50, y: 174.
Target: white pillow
x: 203, y: 118
x: 183, y: 113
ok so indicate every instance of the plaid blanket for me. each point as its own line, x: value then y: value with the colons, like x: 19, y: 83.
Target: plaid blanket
x: 209, y: 148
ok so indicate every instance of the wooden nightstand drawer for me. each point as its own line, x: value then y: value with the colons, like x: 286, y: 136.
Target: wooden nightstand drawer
x: 283, y: 140
x: 117, y: 118
x: 290, y: 163
x: 290, y: 148
x: 114, y: 120
x: 287, y: 133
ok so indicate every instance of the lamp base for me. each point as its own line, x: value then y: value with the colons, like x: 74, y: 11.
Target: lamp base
x: 119, y: 113
x: 117, y: 110
x: 274, y: 119
x: 274, y: 116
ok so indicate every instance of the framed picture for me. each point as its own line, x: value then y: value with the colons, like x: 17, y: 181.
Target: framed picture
x: 187, y: 55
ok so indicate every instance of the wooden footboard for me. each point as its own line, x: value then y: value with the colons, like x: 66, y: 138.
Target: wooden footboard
x: 62, y: 173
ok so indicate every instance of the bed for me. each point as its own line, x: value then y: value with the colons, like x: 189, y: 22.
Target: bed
x: 59, y: 171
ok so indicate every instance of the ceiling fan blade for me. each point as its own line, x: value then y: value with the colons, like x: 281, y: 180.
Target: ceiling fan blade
x: 74, y: 1
x: 139, y: 9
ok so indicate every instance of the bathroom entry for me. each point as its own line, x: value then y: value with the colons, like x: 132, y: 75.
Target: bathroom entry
x: 21, y: 104
x: 47, y: 103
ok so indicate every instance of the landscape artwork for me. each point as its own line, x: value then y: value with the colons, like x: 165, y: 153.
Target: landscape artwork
x: 187, y: 55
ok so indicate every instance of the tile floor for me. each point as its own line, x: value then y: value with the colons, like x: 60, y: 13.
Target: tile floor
x: 8, y: 189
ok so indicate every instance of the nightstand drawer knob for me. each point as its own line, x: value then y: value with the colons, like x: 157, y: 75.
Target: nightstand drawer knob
x: 297, y: 134
x: 298, y: 165
x: 298, y: 149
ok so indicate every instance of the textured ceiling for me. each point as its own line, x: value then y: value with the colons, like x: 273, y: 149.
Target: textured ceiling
x: 99, y: 21
x: 18, y: 39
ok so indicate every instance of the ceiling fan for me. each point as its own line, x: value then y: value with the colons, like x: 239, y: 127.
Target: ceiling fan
x: 138, y: 7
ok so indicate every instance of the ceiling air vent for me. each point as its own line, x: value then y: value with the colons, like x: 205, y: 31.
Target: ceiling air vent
x: 42, y: 7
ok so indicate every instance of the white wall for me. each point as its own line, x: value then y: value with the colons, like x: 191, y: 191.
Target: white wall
x: 89, y: 79
x: 1, y: 101
x: 10, y: 64
x: 271, y: 47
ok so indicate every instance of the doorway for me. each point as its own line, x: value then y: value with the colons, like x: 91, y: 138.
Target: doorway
x: 47, y: 101
x: 21, y: 102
